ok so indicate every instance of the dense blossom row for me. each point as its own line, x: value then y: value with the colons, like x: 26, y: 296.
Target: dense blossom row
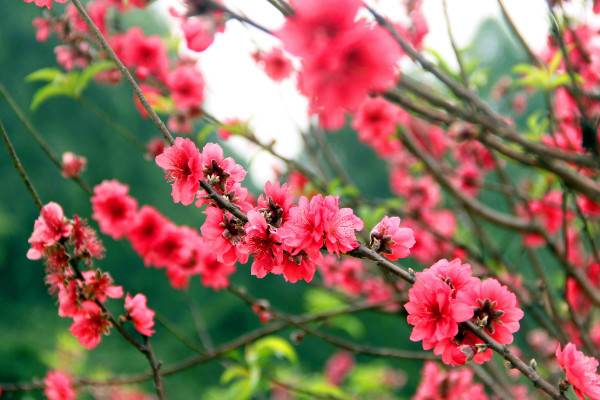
x: 81, y: 294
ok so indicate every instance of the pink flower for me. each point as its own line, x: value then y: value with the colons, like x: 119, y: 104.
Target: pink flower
x: 68, y: 298
x: 275, y: 203
x: 42, y: 26
x: 215, y: 274
x: 219, y: 169
x: 438, y: 384
x: 433, y: 312
x: 339, y: 226
x: 263, y: 243
x: 168, y: 249
x: 347, y: 275
x: 86, y: 241
x: 304, y: 230
x: 148, y: 55
x: 580, y: 371
x: 576, y: 297
x: 147, y: 228
x: 420, y: 194
x: 89, y: 325
x: 388, y: 238
x: 224, y: 233
x: 143, y: 317
x: 57, y: 386
x: 198, y: 34
x: 548, y: 212
x: 338, y: 367
x: 113, y: 208
x: 340, y: 77
x: 45, y: 3
x: 375, y: 121
x: 187, y: 87
x: 468, y: 178
x: 277, y: 66
x: 72, y: 164
x: 155, y: 147
x: 98, y: 285
x: 314, y: 22
x: 183, y: 166
x: 296, y: 267
x: 342, y: 59
x: 48, y: 229
x: 495, y: 308
x: 454, y: 273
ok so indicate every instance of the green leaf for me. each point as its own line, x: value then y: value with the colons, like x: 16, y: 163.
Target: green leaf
x: 204, y: 132
x: 47, y: 92
x: 350, y: 324
x: 554, y: 63
x: 87, y: 74
x: 333, y: 185
x: 523, y: 69
x: 319, y: 301
x: 44, y: 74
x: 273, y: 346
x: 233, y: 372
x: 320, y: 387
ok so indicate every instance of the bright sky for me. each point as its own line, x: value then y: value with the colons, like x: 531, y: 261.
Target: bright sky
x: 237, y: 88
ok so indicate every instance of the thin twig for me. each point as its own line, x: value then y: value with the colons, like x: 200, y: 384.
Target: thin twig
x: 19, y: 167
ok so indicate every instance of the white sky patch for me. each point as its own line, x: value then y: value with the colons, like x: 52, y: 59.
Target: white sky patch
x: 237, y: 88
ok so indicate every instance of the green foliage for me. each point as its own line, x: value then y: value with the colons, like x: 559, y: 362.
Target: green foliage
x: 69, y: 84
x: 544, y: 77
x: 318, y: 301
x: 264, y: 350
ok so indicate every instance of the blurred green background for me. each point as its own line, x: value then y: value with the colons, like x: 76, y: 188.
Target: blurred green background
x: 34, y: 339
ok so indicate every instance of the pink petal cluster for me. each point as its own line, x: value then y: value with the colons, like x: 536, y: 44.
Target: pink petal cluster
x: 446, y: 295
x: 183, y: 165
x: 48, y: 229
x: 45, y: 3
x: 179, y: 249
x: 343, y: 59
x: 392, y: 241
x: 275, y: 64
x: 143, y: 317
x: 338, y: 367
x: 433, y: 312
x: 100, y: 286
x: 187, y: 87
x: 581, y: 371
x: 448, y: 385
x: 375, y: 121
x: 146, y: 54
x: 57, y: 386
x: 113, y: 208
x: 89, y: 325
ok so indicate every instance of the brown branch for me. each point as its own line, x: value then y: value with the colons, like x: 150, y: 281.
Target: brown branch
x: 19, y: 167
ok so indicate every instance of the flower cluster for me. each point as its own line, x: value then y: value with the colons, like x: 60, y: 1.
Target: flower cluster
x: 343, y: 59
x: 581, y: 371
x: 284, y: 238
x: 158, y: 241
x: 81, y: 294
x: 452, y: 385
x: 161, y: 78
x: 447, y: 294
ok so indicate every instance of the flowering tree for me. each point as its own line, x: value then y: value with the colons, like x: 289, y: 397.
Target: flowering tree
x: 448, y: 151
